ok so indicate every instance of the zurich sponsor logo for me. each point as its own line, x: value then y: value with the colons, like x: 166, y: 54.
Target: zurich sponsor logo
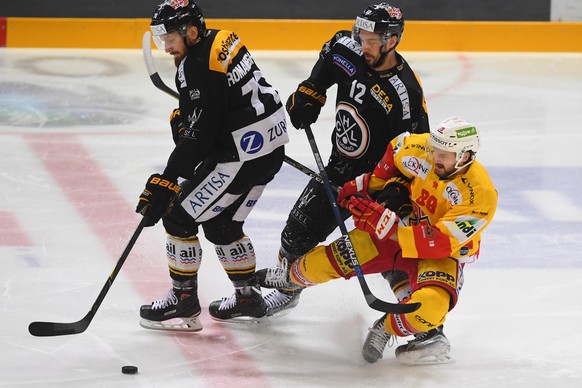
x: 343, y: 63
x: 252, y: 142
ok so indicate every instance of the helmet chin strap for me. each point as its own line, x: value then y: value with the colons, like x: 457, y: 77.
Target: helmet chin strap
x: 382, y: 57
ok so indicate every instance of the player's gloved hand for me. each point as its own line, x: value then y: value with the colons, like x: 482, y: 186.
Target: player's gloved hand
x: 157, y: 198
x: 305, y: 104
x: 350, y: 188
x: 396, y: 195
x: 177, y: 125
x: 373, y: 218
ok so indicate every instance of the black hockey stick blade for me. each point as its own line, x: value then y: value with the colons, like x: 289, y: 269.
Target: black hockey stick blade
x: 151, y: 67
x: 51, y: 329
x: 386, y: 307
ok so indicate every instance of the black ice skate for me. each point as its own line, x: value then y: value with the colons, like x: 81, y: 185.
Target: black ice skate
x: 428, y: 348
x: 376, y: 341
x: 179, y: 311
x: 246, y: 305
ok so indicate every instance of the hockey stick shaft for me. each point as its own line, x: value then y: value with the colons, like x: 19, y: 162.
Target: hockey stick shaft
x: 50, y: 329
x: 159, y: 83
x: 373, y: 302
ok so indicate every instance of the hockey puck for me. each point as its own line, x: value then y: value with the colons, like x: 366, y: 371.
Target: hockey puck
x: 129, y: 370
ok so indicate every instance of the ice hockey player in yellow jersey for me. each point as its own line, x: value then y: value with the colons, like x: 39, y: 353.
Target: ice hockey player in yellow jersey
x: 419, y: 217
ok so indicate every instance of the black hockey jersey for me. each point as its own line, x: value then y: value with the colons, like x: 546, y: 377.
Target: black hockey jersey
x: 371, y: 107
x: 229, y: 111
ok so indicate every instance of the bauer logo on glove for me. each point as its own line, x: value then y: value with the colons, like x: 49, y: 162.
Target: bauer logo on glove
x: 157, y: 198
x: 304, y: 105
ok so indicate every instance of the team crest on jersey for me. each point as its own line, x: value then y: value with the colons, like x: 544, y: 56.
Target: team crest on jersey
x: 452, y: 194
x: 417, y: 166
x: 351, y: 131
x: 344, y: 64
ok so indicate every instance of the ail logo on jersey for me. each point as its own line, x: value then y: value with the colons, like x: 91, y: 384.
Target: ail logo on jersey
x: 344, y: 64
x: 452, y: 194
x: 351, y: 131
x: 417, y: 166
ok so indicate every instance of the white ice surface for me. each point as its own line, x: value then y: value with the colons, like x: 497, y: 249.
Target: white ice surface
x: 81, y: 130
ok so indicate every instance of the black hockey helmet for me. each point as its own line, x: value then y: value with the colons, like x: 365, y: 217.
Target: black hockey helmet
x: 176, y: 15
x: 381, y: 18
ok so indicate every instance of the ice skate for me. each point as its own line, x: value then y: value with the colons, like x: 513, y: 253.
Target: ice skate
x: 246, y: 305
x: 279, y: 302
x: 277, y: 278
x: 178, y: 311
x: 376, y: 341
x: 428, y: 348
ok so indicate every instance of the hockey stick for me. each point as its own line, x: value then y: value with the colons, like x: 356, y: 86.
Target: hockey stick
x: 50, y: 329
x: 373, y: 302
x: 159, y: 83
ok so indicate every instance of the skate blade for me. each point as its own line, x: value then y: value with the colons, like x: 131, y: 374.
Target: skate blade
x: 284, y: 312
x: 245, y: 320
x: 174, y: 324
x: 413, y: 359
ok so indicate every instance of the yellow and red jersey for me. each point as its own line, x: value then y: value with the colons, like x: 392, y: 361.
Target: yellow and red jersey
x: 448, y: 215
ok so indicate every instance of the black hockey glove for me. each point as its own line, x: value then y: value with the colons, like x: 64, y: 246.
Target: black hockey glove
x: 177, y: 125
x: 157, y: 198
x: 305, y: 104
x: 396, y: 196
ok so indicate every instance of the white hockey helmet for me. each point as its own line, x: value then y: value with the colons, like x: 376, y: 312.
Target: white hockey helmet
x: 458, y: 136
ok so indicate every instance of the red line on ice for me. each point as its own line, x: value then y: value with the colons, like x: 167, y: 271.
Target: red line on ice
x: 214, y: 353
x: 11, y: 234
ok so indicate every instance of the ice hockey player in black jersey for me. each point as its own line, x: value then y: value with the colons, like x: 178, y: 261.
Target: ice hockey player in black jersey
x: 378, y: 98
x: 229, y: 133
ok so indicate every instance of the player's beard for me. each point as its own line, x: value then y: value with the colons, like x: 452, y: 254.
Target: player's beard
x: 178, y: 58
x: 442, y: 172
